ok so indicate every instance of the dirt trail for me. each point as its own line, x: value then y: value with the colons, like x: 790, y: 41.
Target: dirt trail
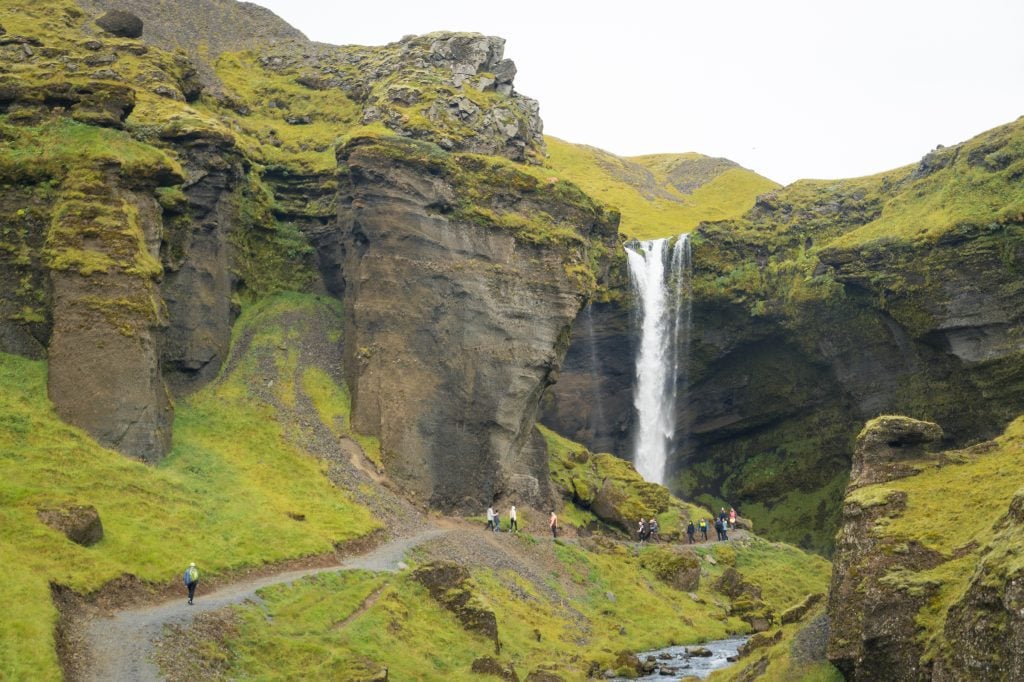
x: 121, y: 647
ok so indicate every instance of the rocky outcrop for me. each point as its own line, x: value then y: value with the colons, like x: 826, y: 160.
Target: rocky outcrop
x: 79, y: 523
x: 455, y: 327
x: 872, y: 613
x: 449, y: 585
x: 886, y: 446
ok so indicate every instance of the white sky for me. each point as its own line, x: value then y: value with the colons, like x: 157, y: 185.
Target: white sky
x: 788, y: 88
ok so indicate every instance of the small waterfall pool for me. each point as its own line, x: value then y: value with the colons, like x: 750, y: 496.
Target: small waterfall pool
x: 678, y: 661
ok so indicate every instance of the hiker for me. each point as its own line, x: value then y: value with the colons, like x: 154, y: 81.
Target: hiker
x: 718, y: 529
x: 652, y: 529
x: 732, y: 518
x: 490, y: 518
x: 191, y: 580
x: 725, y: 530
x: 554, y: 524
x: 690, y: 530
x: 704, y: 530
x: 722, y: 516
x: 513, y: 524
x: 641, y: 529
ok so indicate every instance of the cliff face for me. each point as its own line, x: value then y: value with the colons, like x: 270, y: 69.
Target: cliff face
x: 167, y: 192
x: 456, y: 328
x: 827, y: 304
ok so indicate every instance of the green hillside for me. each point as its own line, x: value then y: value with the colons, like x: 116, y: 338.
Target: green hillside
x: 226, y: 497
x: 659, y: 195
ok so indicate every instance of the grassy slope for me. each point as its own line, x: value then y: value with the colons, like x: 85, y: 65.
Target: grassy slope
x: 640, y: 189
x: 221, y: 499
x: 954, y: 509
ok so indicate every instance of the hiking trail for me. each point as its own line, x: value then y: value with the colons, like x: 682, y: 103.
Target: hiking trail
x: 121, y: 646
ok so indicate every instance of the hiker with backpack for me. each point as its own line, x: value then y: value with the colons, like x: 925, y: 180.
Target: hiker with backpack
x: 191, y: 578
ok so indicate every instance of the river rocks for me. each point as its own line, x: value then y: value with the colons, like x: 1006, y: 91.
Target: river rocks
x: 80, y: 523
x: 453, y: 328
x: 121, y: 23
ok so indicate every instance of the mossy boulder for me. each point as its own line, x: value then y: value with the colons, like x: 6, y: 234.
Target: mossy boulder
x: 678, y: 568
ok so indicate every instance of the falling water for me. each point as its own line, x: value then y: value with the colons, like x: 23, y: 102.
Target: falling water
x: 661, y: 284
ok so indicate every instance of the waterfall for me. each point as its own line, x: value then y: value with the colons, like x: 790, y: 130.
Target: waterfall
x: 661, y: 285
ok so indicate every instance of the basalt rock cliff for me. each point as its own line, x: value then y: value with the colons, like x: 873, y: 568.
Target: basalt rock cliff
x: 152, y: 186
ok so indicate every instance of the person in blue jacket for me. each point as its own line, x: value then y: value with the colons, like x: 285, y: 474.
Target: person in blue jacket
x: 191, y: 580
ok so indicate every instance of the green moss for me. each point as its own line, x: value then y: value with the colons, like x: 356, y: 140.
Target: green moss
x: 271, y: 255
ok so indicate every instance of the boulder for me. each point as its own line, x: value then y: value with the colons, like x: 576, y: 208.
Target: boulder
x: 80, y: 523
x: 121, y: 23
x: 488, y: 665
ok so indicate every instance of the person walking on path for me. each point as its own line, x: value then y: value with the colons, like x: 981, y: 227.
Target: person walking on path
x: 513, y: 523
x: 191, y: 580
x: 553, y: 523
x: 732, y: 518
x: 690, y: 531
x: 652, y: 529
x: 490, y: 518
x: 704, y: 530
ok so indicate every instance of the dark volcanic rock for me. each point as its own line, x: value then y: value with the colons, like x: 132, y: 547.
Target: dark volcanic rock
x: 80, y: 523
x: 454, y: 329
x: 121, y: 23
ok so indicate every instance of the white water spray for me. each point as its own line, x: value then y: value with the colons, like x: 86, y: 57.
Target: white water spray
x: 661, y: 284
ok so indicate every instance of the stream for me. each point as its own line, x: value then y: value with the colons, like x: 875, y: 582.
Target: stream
x: 678, y: 661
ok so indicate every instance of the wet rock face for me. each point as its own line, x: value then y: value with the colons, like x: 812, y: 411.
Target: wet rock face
x: 592, y: 403
x: 453, y: 332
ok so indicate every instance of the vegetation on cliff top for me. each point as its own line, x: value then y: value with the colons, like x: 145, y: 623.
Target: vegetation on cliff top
x: 659, y: 195
x: 219, y: 499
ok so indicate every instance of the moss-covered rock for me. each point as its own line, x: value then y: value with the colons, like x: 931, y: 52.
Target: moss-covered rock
x: 924, y: 568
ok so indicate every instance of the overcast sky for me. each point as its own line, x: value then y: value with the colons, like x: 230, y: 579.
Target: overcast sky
x: 790, y: 89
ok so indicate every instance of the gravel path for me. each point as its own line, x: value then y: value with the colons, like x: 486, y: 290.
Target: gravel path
x: 121, y: 646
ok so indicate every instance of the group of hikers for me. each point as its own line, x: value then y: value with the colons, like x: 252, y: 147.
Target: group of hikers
x: 494, y: 521
x: 724, y: 522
